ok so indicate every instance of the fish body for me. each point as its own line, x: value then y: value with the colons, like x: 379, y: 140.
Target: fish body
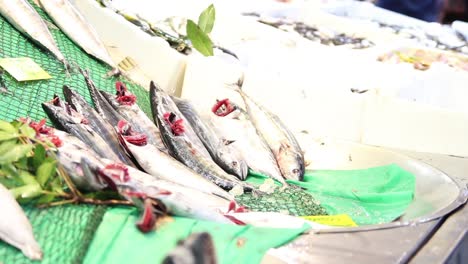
x: 198, y: 248
x: 15, y: 228
x: 180, y: 145
x: 75, y: 26
x: 26, y: 20
x: 66, y: 118
x: 281, y: 141
x: 97, y: 123
x: 222, y: 153
x: 252, y: 147
x: 163, y: 166
x: 125, y: 104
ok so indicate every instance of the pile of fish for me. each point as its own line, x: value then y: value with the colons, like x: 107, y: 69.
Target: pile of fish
x: 323, y: 36
x: 25, y: 19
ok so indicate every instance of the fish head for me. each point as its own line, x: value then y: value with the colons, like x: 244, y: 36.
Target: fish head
x: 234, y: 163
x: 123, y: 96
x: 291, y: 164
x: 61, y: 113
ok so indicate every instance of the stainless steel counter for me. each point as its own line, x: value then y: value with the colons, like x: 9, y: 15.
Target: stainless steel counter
x: 440, y: 241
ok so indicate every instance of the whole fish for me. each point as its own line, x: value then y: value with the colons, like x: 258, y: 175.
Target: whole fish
x: 161, y: 97
x: 75, y: 26
x: 222, y: 153
x: 233, y: 123
x: 173, y: 131
x: 66, y: 118
x: 26, y: 20
x: 198, y: 248
x: 163, y: 166
x: 124, y: 102
x: 97, y: 123
x: 15, y: 228
x: 281, y: 141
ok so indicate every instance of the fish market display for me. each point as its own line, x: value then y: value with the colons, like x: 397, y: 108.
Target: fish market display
x: 179, y: 138
x: 281, y: 141
x: 15, y: 228
x: 26, y: 20
x: 233, y: 123
x: 422, y: 59
x: 224, y: 155
x: 324, y: 36
x: 73, y: 24
x: 197, y: 248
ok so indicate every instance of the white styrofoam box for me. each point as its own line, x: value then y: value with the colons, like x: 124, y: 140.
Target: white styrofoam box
x: 397, y: 123
x: 155, y: 59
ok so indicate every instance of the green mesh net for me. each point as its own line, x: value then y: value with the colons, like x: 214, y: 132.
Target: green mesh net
x: 64, y: 233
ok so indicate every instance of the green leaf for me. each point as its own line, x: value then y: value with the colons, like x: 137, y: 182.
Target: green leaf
x: 199, y: 39
x: 46, y: 198
x: 10, y: 170
x: 27, y: 177
x: 27, y: 131
x: 6, y: 146
x: 7, y: 127
x: 16, y: 153
x: 27, y: 191
x: 39, y: 156
x: 44, y: 172
x: 22, y: 163
x: 57, y: 185
x: 4, y: 135
x: 206, y: 19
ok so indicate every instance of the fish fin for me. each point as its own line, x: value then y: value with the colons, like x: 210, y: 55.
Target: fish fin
x: 227, y: 142
x: 148, y: 219
x: 235, y: 220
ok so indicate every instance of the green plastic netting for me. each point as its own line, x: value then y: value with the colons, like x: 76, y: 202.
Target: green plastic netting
x: 64, y: 233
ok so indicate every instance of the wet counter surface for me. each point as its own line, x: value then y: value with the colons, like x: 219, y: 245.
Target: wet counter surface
x: 441, y: 241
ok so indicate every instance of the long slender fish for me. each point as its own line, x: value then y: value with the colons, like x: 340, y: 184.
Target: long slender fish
x: 72, y: 23
x: 97, y: 123
x: 66, y: 118
x: 233, y: 123
x: 173, y: 131
x: 163, y: 166
x: 26, y: 20
x: 124, y: 102
x: 281, y: 141
x: 15, y: 228
x: 222, y: 153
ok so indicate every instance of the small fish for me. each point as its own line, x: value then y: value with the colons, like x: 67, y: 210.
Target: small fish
x: 162, y: 165
x: 15, y: 228
x: 174, y: 133
x: 198, y: 248
x: 220, y: 150
x: 97, y: 123
x: 281, y: 141
x: 72, y: 23
x: 26, y: 20
x: 124, y: 102
x: 233, y: 122
x: 67, y: 119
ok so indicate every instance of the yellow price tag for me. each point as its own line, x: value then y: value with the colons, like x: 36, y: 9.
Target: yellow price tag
x: 24, y: 69
x: 332, y: 220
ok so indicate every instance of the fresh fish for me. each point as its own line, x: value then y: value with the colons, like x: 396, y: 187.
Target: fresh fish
x: 97, y: 123
x: 281, y: 141
x: 198, y: 248
x: 233, y: 123
x: 220, y: 150
x: 163, y: 166
x: 174, y: 133
x: 26, y: 20
x: 124, y: 102
x: 72, y: 23
x: 66, y: 118
x: 15, y: 228
x: 274, y: 220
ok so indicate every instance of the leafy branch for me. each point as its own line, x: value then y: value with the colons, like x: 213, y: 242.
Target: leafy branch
x: 198, y: 34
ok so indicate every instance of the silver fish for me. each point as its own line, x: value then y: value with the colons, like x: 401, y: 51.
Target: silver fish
x: 163, y: 166
x: 236, y: 126
x: 281, y: 141
x: 220, y: 150
x: 26, y: 20
x: 124, y: 102
x: 75, y: 26
x: 15, y: 228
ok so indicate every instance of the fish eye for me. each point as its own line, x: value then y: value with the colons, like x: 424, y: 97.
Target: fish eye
x: 234, y: 163
x: 295, y: 171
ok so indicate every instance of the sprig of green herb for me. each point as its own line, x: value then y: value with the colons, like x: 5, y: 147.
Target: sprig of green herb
x: 198, y: 34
